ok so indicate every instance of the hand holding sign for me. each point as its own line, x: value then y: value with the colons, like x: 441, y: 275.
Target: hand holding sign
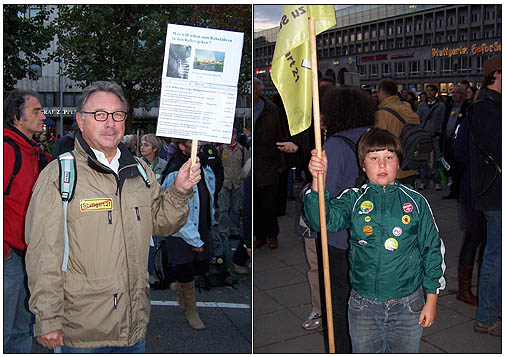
x: 186, y: 178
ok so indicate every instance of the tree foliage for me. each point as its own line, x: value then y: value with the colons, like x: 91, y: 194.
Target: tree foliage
x: 126, y: 43
x: 25, y: 39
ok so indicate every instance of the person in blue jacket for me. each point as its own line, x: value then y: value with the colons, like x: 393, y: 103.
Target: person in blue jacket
x: 190, y: 248
x: 395, y: 249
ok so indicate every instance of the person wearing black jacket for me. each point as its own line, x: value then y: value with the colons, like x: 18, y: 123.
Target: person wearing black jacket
x: 454, y: 115
x: 485, y: 172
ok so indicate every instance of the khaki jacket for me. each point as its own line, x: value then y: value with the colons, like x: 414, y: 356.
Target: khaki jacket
x: 232, y: 165
x: 103, y: 298
x: 387, y: 121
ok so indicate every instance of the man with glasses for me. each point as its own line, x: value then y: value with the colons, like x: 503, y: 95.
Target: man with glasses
x: 98, y: 300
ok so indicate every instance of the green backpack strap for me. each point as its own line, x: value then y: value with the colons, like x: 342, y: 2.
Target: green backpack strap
x: 67, y: 186
x: 143, y: 173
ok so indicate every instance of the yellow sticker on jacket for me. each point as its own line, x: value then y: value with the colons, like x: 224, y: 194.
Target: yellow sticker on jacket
x: 366, y: 207
x: 95, y: 204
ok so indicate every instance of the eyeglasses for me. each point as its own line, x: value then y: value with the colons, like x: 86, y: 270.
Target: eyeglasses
x: 102, y: 115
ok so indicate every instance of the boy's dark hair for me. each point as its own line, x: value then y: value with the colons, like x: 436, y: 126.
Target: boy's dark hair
x: 489, y: 79
x: 378, y: 140
x: 388, y: 86
x: 14, y: 105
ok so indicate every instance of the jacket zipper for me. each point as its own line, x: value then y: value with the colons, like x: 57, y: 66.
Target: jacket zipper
x: 380, y: 243
x: 137, y: 213
x: 109, y: 215
x: 115, y: 302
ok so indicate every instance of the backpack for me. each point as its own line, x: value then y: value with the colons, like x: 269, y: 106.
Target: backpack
x: 18, y: 160
x: 361, y: 177
x: 67, y: 183
x: 416, y: 144
x: 165, y: 272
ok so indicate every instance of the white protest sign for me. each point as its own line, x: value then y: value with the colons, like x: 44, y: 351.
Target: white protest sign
x: 199, y: 83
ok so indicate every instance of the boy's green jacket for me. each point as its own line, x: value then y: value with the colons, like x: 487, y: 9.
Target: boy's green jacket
x: 395, y: 245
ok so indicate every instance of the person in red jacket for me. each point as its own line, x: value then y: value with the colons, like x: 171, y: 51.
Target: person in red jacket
x: 23, y: 118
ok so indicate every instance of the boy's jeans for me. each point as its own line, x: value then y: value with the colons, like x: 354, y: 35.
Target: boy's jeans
x: 385, y: 326
x: 17, y: 318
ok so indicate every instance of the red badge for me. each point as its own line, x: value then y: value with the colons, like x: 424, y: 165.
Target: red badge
x: 407, y: 207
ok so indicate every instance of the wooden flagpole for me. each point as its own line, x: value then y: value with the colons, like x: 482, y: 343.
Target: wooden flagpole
x: 321, y: 185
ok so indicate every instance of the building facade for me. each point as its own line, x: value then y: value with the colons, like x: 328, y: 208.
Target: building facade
x: 412, y: 44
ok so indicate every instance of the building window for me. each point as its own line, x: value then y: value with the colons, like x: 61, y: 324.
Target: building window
x: 373, y: 47
x: 462, y: 19
x: 443, y: 88
x: 450, y: 38
x: 450, y: 21
x: 399, y: 69
x: 429, y: 25
x: 399, y: 29
x: 47, y: 99
x: 414, y: 68
x: 366, y: 35
x: 429, y: 66
x: 359, y: 36
x: 409, y: 43
x: 399, y: 44
x: 408, y: 28
x: 346, y: 39
x: 475, y: 17
x: 68, y: 100
x: 446, y: 66
x: 479, y: 64
x: 390, y: 30
x: 352, y: 37
x: 363, y: 71
x: 382, y: 47
x: 464, y: 65
x: 373, y: 70
x: 373, y: 33
x: 418, y: 26
x: 476, y: 35
x: 382, y: 32
x: 463, y: 36
x: 339, y: 40
x: 366, y: 48
x: 386, y: 70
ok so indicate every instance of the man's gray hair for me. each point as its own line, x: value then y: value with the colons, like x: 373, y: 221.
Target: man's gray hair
x: 102, y: 86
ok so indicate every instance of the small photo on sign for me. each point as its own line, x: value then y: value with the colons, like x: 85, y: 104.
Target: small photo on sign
x: 206, y: 60
x: 178, y: 64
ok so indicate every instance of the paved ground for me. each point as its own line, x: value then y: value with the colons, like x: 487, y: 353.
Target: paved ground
x: 282, y: 297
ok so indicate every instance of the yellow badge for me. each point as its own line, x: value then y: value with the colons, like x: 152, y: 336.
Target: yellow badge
x: 367, y: 230
x: 96, y: 204
x: 367, y: 218
x: 366, y: 207
x: 391, y: 244
x: 406, y: 219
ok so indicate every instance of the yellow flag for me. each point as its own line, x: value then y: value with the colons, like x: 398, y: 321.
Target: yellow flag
x: 291, y: 63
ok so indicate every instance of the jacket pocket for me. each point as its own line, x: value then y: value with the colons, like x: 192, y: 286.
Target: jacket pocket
x: 416, y: 301
x: 95, y: 311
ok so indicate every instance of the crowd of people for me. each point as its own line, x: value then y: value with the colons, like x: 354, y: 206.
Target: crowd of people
x: 84, y: 218
x: 465, y: 130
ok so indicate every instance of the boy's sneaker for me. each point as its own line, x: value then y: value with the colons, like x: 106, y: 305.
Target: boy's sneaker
x: 494, y: 330
x: 437, y: 187
x: 240, y: 269
x: 313, y: 321
x: 421, y: 186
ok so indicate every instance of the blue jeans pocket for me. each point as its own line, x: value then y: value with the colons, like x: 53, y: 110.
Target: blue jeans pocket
x: 356, y: 302
x: 416, y: 301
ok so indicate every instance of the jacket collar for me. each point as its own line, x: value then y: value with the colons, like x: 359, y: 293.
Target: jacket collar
x: 492, y: 95
x: 20, y: 138
x: 383, y: 189
x: 84, y: 149
x: 390, y: 100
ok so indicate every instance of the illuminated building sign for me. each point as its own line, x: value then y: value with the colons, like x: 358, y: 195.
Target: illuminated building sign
x: 459, y: 51
x: 378, y: 57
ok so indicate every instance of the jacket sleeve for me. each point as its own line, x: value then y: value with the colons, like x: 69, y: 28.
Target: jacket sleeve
x: 9, y: 160
x: 169, y: 207
x: 337, y: 210
x: 44, y: 256
x: 432, y: 250
x: 189, y: 231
